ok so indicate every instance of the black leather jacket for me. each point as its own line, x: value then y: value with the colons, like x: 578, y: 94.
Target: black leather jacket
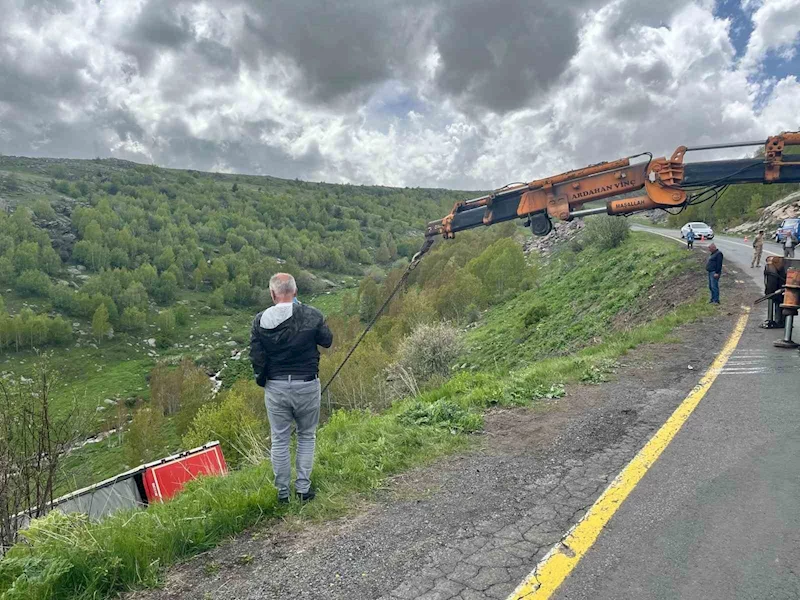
x: 291, y: 347
x: 714, y: 264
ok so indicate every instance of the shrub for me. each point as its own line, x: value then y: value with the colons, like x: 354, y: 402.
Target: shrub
x: 145, y: 439
x: 100, y: 325
x: 429, y: 351
x: 133, y: 319
x: 234, y: 423
x: 166, y: 329
x: 535, y: 313
x: 34, y: 283
x: 606, y: 232
x: 181, y: 315
x: 217, y: 300
x: 443, y: 413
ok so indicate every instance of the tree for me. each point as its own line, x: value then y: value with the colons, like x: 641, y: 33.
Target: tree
x: 59, y: 331
x: 26, y: 257
x: 368, y: 299
x: 43, y: 210
x: 166, y: 328
x: 134, y: 296
x: 33, y: 441
x: 119, y: 258
x: 101, y: 327
x: 145, y: 439
x: 166, y: 259
x: 33, y: 283
x: 218, y: 273
x: 166, y: 289
x: 133, y: 319
x: 147, y: 275
x: 383, y: 255
x: 93, y: 232
x: 181, y: 315
x: 6, y: 271
x: 92, y: 255
x: 501, y: 268
x: 216, y: 300
x: 49, y: 260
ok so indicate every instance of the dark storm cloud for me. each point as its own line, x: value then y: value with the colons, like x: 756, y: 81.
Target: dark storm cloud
x: 500, y: 54
x: 494, y: 55
x: 156, y: 29
x: 339, y: 47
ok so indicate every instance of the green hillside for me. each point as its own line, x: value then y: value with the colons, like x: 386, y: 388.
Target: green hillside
x: 108, y: 268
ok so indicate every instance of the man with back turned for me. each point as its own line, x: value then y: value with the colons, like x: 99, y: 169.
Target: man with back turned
x: 284, y: 352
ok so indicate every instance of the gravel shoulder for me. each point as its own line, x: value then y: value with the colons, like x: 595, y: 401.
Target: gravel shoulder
x: 471, y: 526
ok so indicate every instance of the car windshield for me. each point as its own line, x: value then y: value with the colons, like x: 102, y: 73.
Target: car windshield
x: 789, y: 222
x: 698, y: 225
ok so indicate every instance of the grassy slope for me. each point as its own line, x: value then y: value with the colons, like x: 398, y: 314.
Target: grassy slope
x: 116, y: 370
x: 579, y: 300
x: 88, y: 375
x: 358, y: 450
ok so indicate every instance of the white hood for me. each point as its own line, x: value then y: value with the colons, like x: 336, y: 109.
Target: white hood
x: 275, y: 315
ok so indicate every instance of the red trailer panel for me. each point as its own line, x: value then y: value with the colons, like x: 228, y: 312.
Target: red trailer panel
x: 164, y: 479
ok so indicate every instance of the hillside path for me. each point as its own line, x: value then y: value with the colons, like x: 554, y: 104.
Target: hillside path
x: 471, y: 526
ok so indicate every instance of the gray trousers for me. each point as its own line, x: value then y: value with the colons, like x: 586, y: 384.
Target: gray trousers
x: 287, y: 402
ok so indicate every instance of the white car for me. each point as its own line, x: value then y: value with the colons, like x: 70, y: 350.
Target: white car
x: 700, y: 230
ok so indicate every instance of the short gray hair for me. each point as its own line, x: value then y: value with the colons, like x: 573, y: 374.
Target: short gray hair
x: 282, y: 284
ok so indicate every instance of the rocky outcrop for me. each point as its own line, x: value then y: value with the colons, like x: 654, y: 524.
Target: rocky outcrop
x: 562, y: 232
x: 771, y: 216
x: 60, y: 228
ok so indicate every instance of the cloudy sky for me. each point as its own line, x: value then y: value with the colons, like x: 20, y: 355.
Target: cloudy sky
x: 449, y: 93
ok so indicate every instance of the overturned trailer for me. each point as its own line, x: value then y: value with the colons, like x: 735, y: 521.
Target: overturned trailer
x: 152, y: 482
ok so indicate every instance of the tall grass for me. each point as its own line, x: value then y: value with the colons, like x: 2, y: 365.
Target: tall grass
x: 69, y: 557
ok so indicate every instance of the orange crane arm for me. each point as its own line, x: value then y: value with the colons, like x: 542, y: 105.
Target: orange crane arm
x: 667, y: 183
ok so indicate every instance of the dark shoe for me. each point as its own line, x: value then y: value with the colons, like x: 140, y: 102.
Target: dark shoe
x: 283, y: 500
x: 307, y: 496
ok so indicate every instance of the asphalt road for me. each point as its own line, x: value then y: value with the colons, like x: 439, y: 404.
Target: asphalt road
x: 718, y: 515
x: 736, y: 252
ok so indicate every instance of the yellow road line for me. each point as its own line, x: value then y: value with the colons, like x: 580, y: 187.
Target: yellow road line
x: 554, y: 568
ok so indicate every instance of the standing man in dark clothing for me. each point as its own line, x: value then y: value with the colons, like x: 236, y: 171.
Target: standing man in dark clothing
x: 285, y: 358
x: 714, y: 268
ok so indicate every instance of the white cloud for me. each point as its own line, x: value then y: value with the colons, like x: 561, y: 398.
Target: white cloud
x: 776, y: 27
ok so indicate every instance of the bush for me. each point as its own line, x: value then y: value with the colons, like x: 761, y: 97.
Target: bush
x: 133, y: 319
x: 606, y: 232
x: 217, y: 300
x: 181, y: 315
x: 33, y: 283
x: 442, y: 413
x: 429, y: 351
x: 234, y: 423
x: 166, y: 329
x: 145, y: 439
x: 535, y: 313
